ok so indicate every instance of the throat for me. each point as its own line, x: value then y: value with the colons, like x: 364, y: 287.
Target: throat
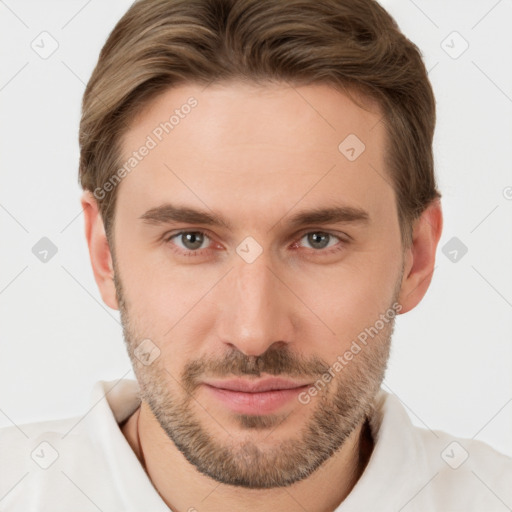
x: 129, y: 428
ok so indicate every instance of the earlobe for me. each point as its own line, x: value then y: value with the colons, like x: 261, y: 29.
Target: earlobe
x: 419, y: 259
x: 99, y: 250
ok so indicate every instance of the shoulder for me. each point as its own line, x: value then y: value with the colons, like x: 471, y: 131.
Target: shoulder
x: 45, y: 458
x: 19, y: 440
x: 431, y: 469
x: 75, y: 463
x: 464, y: 474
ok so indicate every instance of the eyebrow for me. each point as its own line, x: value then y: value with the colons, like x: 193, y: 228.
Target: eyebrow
x: 168, y: 213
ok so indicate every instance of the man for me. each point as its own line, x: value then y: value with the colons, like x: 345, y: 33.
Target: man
x: 260, y: 203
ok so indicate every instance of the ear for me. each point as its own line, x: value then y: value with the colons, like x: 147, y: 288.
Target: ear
x: 99, y: 250
x: 419, y: 258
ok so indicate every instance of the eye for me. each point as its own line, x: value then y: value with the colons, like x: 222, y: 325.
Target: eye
x: 191, y: 241
x: 319, y: 239
x: 320, y: 242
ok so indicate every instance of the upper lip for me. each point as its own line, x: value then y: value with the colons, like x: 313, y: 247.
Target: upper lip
x: 250, y: 386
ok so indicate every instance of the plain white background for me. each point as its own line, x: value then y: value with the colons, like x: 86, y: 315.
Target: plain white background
x: 452, y: 357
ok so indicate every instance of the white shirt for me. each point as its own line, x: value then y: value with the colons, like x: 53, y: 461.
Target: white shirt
x: 85, y: 464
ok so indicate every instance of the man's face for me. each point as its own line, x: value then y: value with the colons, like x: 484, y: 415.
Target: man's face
x: 265, y: 296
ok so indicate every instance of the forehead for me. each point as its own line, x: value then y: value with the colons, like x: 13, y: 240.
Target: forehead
x: 317, y: 116
x: 255, y: 148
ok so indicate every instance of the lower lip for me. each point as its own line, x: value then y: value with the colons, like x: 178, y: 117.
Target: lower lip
x: 264, y: 402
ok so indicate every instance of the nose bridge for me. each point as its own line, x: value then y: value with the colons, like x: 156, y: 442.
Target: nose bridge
x: 255, y: 312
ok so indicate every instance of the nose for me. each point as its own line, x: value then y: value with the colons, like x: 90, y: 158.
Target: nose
x: 257, y: 308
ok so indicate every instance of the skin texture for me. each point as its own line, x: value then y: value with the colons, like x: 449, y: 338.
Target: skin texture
x: 257, y: 155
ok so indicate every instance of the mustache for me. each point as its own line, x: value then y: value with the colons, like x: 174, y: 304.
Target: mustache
x: 277, y: 361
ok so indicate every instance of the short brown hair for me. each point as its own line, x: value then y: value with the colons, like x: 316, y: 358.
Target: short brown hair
x: 353, y: 45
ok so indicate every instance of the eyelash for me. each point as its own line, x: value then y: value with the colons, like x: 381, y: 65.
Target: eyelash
x: 189, y: 253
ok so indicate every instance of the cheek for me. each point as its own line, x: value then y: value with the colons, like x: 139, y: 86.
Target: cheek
x: 348, y: 299
x: 169, y: 304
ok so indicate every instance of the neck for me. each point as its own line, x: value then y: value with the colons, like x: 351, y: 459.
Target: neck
x: 183, y: 488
